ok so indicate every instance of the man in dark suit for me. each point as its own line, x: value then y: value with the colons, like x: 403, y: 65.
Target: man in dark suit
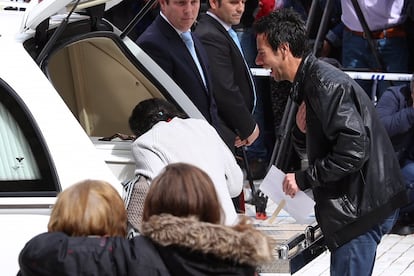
x: 233, y: 85
x: 163, y: 41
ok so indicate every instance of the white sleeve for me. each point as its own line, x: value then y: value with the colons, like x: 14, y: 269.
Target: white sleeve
x: 147, y: 161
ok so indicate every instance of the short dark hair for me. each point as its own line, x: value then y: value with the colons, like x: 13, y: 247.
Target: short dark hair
x: 284, y: 26
x: 183, y: 190
x: 149, y: 112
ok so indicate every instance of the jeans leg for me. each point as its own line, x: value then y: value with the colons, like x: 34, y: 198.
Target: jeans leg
x: 393, y: 52
x: 258, y: 148
x: 355, y: 54
x: 248, y: 42
x: 357, y: 257
x: 395, y: 57
x: 408, y: 174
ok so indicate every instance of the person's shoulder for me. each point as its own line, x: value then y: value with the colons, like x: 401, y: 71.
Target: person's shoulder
x: 202, y: 19
x: 148, y: 258
x: 206, y: 25
x: 47, y: 238
x: 194, y: 125
x: 154, y: 32
x: 141, y: 243
x: 149, y: 34
x: 195, y: 121
x: 147, y: 138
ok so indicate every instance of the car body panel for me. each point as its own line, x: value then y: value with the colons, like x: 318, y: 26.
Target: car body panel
x: 38, y: 11
x: 74, y: 155
x: 76, y: 151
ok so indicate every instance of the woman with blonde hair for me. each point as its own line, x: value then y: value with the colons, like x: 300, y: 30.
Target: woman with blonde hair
x: 87, y: 236
x: 183, y: 218
x: 88, y: 208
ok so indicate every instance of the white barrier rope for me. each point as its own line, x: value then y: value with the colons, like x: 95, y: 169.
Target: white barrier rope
x: 260, y: 72
x: 379, y: 76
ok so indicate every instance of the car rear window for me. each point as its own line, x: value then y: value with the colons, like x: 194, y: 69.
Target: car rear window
x: 26, y: 168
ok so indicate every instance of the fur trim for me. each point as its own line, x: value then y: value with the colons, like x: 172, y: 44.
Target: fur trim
x: 241, y: 243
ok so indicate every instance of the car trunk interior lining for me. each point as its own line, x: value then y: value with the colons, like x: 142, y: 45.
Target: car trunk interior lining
x: 99, y: 84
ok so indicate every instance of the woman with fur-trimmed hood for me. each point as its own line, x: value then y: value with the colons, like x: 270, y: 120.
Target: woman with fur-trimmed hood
x: 183, y: 218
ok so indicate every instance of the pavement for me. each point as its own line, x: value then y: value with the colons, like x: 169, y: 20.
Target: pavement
x: 395, y: 253
x: 395, y: 256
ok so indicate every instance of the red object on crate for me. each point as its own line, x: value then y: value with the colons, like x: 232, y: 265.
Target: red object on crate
x: 261, y: 216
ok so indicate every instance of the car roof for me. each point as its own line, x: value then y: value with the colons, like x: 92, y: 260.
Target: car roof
x: 36, y: 12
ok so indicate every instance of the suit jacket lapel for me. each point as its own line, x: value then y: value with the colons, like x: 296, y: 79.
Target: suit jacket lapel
x: 175, y: 42
x: 221, y: 29
x: 216, y: 25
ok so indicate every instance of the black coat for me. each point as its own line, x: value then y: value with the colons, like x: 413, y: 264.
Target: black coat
x: 163, y: 44
x: 56, y: 253
x: 395, y: 109
x: 232, y: 85
x: 189, y: 247
x: 353, y: 172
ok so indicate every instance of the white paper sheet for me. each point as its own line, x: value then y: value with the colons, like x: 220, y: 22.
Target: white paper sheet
x: 300, y: 207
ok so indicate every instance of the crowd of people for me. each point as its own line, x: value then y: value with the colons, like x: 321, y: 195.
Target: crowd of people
x: 182, y: 232
x: 356, y: 137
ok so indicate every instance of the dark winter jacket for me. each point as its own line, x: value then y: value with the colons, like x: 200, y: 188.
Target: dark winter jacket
x: 190, y: 247
x: 353, y: 172
x: 56, y: 253
x: 395, y: 109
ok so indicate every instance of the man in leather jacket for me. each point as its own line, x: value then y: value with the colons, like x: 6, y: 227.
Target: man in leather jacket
x: 353, y: 172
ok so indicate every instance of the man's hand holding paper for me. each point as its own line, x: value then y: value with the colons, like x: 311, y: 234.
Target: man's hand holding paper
x: 280, y: 186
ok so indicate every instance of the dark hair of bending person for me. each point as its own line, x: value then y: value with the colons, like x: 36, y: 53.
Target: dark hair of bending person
x: 149, y: 112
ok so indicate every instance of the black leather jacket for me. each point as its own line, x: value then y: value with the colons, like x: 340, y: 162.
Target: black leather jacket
x: 353, y: 172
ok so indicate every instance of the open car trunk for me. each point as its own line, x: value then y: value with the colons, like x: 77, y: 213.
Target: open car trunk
x: 100, y: 84
x: 101, y: 78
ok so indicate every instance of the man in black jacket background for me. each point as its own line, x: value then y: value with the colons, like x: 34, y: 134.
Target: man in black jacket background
x: 396, y: 111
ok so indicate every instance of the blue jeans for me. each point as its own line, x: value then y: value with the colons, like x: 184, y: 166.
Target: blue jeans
x: 356, y: 53
x: 357, y: 257
x: 407, y: 171
x: 259, y: 148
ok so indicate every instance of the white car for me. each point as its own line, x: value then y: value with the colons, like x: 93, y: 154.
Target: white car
x: 62, y: 87
x: 68, y: 77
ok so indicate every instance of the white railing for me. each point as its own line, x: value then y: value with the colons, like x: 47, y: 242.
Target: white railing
x: 260, y: 72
